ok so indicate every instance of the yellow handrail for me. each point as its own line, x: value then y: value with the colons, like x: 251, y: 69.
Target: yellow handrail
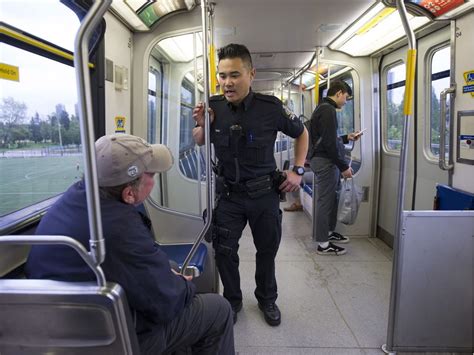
x: 38, y: 44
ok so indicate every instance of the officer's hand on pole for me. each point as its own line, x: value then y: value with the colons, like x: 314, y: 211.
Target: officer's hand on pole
x: 291, y: 183
x: 198, y: 114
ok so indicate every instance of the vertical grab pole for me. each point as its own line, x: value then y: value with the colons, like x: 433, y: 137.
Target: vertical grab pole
x: 280, y: 142
x: 408, y: 111
x: 288, y: 137
x: 212, y: 51
x: 316, y: 103
x: 316, y: 80
x: 197, y: 149
x: 81, y: 59
x: 207, y: 136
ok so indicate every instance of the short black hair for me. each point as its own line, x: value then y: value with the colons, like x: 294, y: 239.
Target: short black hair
x: 339, y: 85
x: 234, y: 50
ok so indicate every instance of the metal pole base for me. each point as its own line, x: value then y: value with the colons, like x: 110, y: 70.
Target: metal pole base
x: 384, y: 349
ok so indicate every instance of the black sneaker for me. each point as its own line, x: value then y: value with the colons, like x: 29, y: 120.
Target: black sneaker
x: 338, y: 238
x: 331, y: 249
x: 271, y: 313
x: 236, y: 310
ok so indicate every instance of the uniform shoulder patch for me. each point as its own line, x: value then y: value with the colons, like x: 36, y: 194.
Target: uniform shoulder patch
x: 268, y: 98
x: 217, y: 98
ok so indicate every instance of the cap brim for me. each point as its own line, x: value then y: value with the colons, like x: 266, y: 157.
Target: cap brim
x: 162, y: 159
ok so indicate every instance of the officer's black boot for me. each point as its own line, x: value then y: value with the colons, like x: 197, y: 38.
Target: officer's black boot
x: 271, y: 313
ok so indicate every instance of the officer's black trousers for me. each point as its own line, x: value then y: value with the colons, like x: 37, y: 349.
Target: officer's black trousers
x: 264, y: 217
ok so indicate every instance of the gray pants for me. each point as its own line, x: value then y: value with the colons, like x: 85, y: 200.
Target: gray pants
x: 204, y: 327
x: 326, y: 193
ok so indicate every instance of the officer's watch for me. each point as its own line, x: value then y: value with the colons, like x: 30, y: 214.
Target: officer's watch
x: 298, y: 170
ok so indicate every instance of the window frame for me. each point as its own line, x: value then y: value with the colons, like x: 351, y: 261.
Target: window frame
x: 427, y: 152
x: 384, y: 112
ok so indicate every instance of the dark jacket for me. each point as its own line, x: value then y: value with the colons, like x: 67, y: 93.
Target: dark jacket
x: 132, y: 258
x: 323, y: 134
x: 260, y: 117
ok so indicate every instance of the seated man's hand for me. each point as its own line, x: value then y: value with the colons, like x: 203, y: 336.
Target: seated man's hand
x: 189, y: 278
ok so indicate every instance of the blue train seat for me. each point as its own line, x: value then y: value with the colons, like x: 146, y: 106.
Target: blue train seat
x: 188, y: 164
x: 178, y: 252
x: 448, y: 198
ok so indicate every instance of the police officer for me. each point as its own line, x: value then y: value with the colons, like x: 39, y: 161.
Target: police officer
x: 243, y: 130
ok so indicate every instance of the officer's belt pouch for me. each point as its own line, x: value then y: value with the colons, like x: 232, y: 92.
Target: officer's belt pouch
x: 259, y: 187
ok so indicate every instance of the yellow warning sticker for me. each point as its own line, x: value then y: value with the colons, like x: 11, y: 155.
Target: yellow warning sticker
x: 9, y: 72
x: 120, y: 124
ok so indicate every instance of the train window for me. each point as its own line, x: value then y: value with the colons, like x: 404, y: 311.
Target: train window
x: 440, y: 80
x: 175, y: 81
x: 40, y: 151
x: 393, y: 110
x: 186, y: 122
x: 154, y: 100
x: 345, y: 116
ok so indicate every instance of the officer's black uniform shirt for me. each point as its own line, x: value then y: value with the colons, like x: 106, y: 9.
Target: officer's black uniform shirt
x: 261, y: 117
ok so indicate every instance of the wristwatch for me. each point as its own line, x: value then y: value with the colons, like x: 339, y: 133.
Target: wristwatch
x: 298, y: 170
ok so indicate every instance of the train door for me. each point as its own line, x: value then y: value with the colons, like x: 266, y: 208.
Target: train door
x: 432, y: 78
x: 168, y: 82
x: 423, y: 172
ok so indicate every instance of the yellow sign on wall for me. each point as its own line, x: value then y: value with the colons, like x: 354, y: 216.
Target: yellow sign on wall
x: 9, y: 72
x: 119, y: 124
x: 469, y: 79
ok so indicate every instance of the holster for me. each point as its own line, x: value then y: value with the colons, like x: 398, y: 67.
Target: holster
x: 278, y: 178
x: 222, y: 187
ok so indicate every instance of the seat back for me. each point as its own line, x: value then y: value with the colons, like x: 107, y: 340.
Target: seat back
x: 55, y: 317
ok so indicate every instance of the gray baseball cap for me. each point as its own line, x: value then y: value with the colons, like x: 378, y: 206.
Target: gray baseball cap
x: 122, y: 158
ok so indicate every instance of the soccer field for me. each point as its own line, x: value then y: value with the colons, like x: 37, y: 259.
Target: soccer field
x: 25, y: 181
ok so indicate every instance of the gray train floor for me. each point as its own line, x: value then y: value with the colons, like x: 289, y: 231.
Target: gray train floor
x: 331, y: 305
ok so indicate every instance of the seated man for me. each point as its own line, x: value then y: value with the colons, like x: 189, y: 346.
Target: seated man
x: 170, y: 315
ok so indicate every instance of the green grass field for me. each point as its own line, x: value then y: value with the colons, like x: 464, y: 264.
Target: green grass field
x: 26, y: 181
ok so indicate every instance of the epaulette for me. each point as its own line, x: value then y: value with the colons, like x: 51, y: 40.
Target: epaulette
x: 217, y: 98
x: 268, y: 98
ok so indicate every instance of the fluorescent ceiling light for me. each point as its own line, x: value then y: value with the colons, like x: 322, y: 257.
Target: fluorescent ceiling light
x: 379, y: 27
x: 155, y: 10
x: 180, y: 48
x: 136, y: 4
x: 309, y: 77
x: 129, y: 15
x: 150, y: 11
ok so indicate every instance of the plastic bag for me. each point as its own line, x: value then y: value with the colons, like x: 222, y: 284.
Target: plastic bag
x: 349, y: 202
